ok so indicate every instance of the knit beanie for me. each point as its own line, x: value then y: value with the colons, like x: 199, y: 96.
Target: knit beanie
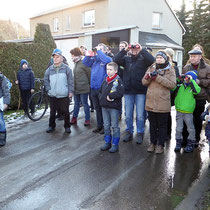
x: 162, y: 54
x: 22, y: 62
x: 193, y: 74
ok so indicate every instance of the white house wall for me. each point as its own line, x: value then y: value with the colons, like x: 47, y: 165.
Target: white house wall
x: 139, y: 13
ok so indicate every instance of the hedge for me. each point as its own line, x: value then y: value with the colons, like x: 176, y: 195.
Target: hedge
x: 37, y: 54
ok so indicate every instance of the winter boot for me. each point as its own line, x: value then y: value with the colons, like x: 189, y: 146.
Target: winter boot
x: 178, y: 145
x: 128, y: 136
x: 140, y: 137
x: 190, y: 146
x: 3, y: 136
x: 115, y: 142
x: 107, y: 144
x: 73, y: 121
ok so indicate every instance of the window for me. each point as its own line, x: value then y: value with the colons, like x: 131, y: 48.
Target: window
x: 156, y: 20
x: 68, y: 20
x: 89, y: 18
x: 56, y: 26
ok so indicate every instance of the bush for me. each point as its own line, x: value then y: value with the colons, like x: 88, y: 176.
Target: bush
x: 37, y: 54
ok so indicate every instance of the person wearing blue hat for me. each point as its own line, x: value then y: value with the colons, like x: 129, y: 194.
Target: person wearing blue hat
x: 185, y: 105
x: 25, y: 80
x: 59, y: 84
x: 198, y: 63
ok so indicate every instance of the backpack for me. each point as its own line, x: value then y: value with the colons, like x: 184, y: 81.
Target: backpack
x: 9, y: 84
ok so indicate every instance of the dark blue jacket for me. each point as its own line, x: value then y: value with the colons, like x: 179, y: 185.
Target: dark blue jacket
x: 114, y: 90
x: 26, y: 79
x: 207, y: 131
x: 98, y: 68
x: 134, y: 70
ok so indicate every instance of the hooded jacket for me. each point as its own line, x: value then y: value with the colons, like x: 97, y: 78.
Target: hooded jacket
x: 134, y: 70
x: 59, y: 81
x: 25, y: 77
x: 98, y: 68
x: 158, y: 92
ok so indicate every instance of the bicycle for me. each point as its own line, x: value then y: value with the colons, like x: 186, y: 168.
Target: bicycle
x: 38, y: 102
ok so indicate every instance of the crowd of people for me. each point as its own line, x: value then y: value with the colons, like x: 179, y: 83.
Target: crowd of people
x: 150, y: 86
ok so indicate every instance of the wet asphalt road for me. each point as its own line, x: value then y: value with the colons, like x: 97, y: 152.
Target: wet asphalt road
x: 59, y: 171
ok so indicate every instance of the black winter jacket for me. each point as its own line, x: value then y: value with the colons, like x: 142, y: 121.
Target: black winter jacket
x: 26, y: 79
x: 134, y: 70
x: 114, y: 90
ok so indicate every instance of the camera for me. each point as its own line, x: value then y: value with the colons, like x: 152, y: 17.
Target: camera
x: 132, y: 46
x: 153, y: 74
x: 94, y: 49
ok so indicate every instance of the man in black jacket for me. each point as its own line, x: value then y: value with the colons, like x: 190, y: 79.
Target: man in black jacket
x: 135, y: 67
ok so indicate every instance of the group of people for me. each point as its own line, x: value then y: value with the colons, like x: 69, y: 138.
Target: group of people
x: 149, y: 84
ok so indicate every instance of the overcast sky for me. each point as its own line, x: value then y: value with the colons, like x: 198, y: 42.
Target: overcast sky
x: 21, y: 10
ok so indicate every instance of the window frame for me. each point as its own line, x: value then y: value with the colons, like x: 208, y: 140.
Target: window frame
x: 92, y: 22
x: 55, y: 24
x: 159, y: 26
x: 68, y: 23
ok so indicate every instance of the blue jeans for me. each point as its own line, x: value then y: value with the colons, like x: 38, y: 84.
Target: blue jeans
x: 2, y: 123
x: 130, y: 101
x: 111, y: 119
x: 84, y: 99
x: 97, y: 107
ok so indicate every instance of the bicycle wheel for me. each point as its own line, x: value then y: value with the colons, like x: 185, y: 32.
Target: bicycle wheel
x: 37, y: 106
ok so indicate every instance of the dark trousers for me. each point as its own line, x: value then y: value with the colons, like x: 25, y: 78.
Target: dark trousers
x: 60, y: 105
x: 158, y: 127
x: 199, y: 109
x: 25, y: 96
x: 97, y: 107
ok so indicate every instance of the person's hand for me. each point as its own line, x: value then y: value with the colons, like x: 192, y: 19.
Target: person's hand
x: 147, y: 76
x: 16, y: 82
x: 207, y: 118
x: 5, y: 106
x: 70, y: 95
x: 109, y: 99
x: 197, y: 81
x: 32, y: 90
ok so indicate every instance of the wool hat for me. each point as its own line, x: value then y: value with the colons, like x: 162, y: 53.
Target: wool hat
x: 22, y: 62
x: 57, y: 52
x: 193, y: 74
x: 162, y: 54
x: 195, y: 52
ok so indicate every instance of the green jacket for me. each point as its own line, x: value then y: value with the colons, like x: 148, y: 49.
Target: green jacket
x: 185, y: 101
x: 81, y: 78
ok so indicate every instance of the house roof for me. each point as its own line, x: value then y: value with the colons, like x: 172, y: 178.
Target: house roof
x: 175, y: 16
x: 79, y: 2
x: 154, y: 40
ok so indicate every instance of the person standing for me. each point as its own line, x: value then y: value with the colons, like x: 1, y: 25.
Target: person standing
x: 97, y: 61
x: 59, y: 84
x: 160, y: 79
x: 203, y: 80
x: 81, y: 86
x: 25, y: 80
x: 4, y: 102
x: 110, y: 96
x: 135, y: 67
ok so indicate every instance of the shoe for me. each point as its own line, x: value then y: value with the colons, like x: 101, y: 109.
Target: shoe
x: 73, y: 121
x: 3, y: 136
x: 50, y: 129
x: 128, y: 137
x: 140, y: 137
x: 60, y: 118
x: 2, y: 143
x: 159, y: 149
x: 97, y: 130
x: 87, y: 123
x: 151, y: 148
x: 106, y: 146
x: 114, y: 149
x: 178, y: 145
x: 190, y: 146
x: 92, y: 110
x: 102, y: 131
x: 67, y: 130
